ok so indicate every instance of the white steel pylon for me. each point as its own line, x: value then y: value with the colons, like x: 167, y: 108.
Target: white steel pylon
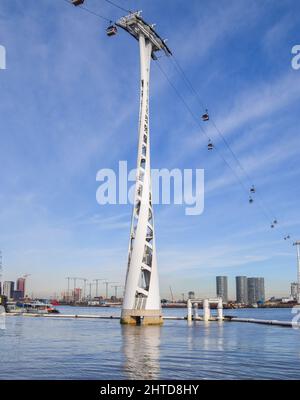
x: 141, y: 297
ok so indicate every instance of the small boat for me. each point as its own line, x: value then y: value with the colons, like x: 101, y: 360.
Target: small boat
x: 33, y: 307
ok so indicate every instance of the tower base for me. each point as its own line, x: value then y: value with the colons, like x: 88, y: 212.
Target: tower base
x: 141, y: 317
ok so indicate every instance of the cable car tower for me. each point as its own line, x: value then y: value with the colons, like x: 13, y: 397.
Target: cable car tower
x: 141, y: 297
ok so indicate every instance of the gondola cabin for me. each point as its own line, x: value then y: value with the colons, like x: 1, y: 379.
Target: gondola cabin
x: 111, y: 30
x: 205, y: 116
x: 77, y: 2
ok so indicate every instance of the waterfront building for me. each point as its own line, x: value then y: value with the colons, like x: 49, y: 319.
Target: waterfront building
x: 241, y: 289
x: 18, y: 295
x: 256, y: 290
x: 8, y: 289
x: 77, y: 294
x: 222, y: 288
x: 261, y: 289
x: 21, y: 286
x: 191, y: 295
x: 294, y: 290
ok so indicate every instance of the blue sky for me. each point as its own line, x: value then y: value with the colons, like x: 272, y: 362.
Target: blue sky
x: 69, y: 107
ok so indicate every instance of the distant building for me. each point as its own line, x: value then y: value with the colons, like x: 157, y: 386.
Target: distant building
x: 8, y: 289
x: 256, y: 290
x: 18, y: 295
x: 294, y: 290
x: 222, y: 288
x: 21, y: 286
x: 261, y: 290
x: 191, y: 295
x: 77, y: 294
x: 241, y: 289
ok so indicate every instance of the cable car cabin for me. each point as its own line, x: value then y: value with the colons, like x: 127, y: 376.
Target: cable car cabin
x: 77, y: 2
x: 111, y: 30
x: 205, y: 117
x: 250, y: 200
x: 210, y: 146
x: 252, y: 190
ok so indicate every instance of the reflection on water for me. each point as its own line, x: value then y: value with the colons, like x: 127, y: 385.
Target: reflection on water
x: 49, y: 348
x: 141, y: 346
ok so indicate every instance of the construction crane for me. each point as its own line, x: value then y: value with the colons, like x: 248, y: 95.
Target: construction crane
x: 116, y: 289
x: 106, y: 289
x: 68, y: 289
x: 171, y: 294
x: 90, y: 291
x: 84, y: 286
x: 97, y: 283
x: 74, y: 280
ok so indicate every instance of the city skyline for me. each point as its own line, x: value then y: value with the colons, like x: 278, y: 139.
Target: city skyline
x: 89, y: 289
x: 51, y: 224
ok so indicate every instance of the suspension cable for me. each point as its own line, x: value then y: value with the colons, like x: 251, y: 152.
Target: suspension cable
x: 196, y: 119
x: 196, y: 94
x: 117, y: 6
x: 269, y: 214
x: 90, y: 11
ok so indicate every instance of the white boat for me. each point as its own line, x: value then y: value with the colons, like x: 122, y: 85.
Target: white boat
x: 33, y: 307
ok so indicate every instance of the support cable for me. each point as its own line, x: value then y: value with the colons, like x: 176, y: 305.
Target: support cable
x: 268, y: 213
x: 91, y: 12
x: 196, y: 94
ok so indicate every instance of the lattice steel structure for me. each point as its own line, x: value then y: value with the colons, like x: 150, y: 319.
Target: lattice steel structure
x: 141, y: 296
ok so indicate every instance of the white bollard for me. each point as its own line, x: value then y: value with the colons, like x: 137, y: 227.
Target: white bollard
x: 189, y: 310
x: 206, y: 310
x: 195, y: 311
x: 220, y: 310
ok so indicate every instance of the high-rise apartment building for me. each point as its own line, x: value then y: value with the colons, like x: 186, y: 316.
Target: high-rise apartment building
x: 256, y: 290
x: 8, y: 289
x: 241, y: 289
x: 222, y: 288
x: 21, y: 286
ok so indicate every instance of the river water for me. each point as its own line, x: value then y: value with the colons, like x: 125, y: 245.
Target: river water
x: 49, y: 348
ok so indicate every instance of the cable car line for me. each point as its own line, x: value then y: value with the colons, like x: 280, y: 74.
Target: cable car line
x: 212, y: 146
x: 199, y: 124
x: 191, y: 87
x: 117, y: 6
x: 88, y: 10
x: 206, y: 117
x: 112, y: 30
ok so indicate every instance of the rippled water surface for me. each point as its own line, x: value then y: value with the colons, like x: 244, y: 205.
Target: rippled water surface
x: 40, y: 348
